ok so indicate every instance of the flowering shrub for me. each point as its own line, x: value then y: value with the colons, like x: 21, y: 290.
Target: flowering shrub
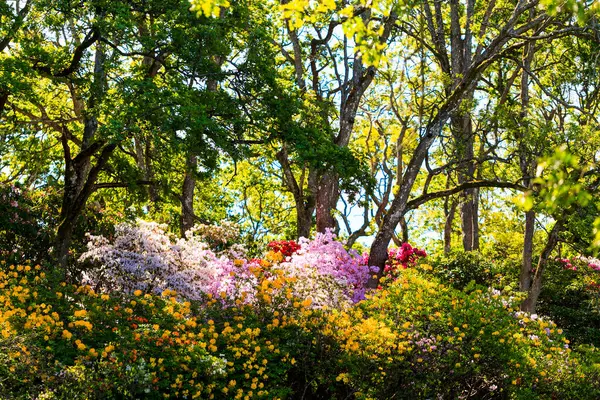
x: 420, y: 339
x: 460, y: 268
x: 571, y: 296
x: 326, y: 271
x: 415, y: 339
x: 145, y: 257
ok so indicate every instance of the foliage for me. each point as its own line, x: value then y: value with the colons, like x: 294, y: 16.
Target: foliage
x: 571, y: 297
x: 461, y: 269
x: 23, y: 235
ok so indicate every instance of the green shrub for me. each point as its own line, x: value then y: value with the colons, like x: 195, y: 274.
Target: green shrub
x: 460, y: 268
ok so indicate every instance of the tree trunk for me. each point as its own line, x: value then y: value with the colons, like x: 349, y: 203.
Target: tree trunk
x: 404, y: 227
x: 475, y: 195
x: 527, y: 265
x: 451, y: 211
x: 527, y: 165
x: 3, y: 101
x: 80, y: 178
x: 378, y: 254
x: 303, y: 220
x: 463, y: 133
x: 187, y: 195
x: 530, y: 303
x: 188, y: 215
x: 327, y: 198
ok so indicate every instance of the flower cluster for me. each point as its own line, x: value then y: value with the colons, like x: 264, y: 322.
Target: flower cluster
x: 145, y: 257
x: 400, y: 258
x: 403, y: 340
x: 327, y: 272
x: 592, y: 262
x: 285, y: 247
x: 566, y: 264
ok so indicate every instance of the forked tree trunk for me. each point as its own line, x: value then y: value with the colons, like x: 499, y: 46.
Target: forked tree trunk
x: 80, y: 173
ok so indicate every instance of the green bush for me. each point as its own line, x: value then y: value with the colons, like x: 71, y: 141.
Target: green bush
x: 460, y: 268
x: 572, y: 299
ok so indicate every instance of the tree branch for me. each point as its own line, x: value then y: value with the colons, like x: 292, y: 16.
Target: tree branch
x: 424, y: 198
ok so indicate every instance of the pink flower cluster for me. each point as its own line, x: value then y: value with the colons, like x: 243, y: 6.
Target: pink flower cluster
x: 592, y: 262
x: 566, y: 264
x: 145, y: 256
x: 327, y: 272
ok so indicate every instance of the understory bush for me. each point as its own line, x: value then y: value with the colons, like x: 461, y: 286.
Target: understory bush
x: 571, y: 297
x: 460, y: 268
x: 414, y: 338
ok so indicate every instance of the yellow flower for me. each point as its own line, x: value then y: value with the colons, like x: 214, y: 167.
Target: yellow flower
x: 137, y: 293
x: 66, y: 334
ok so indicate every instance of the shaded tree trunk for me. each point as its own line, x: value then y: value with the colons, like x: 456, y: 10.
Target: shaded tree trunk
x: 450, y: 212
x: 527, y: 264
x: 188, y: 215
x: 80, y: 178
x: 328, y: 193
x: 187, y: 195
x: 3, y: 101
x: 530, y: 303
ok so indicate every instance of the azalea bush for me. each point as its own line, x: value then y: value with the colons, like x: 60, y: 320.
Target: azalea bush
x: 144, y: 256
x: 164, y: 317
x: 421, y: 339
x: 414, y: 339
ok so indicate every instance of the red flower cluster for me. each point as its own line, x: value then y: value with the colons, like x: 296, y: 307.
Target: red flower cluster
x: 285, y: 247
x: 403, y: 257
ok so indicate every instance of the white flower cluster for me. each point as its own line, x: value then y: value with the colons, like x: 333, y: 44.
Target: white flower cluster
x: 146, y: 257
